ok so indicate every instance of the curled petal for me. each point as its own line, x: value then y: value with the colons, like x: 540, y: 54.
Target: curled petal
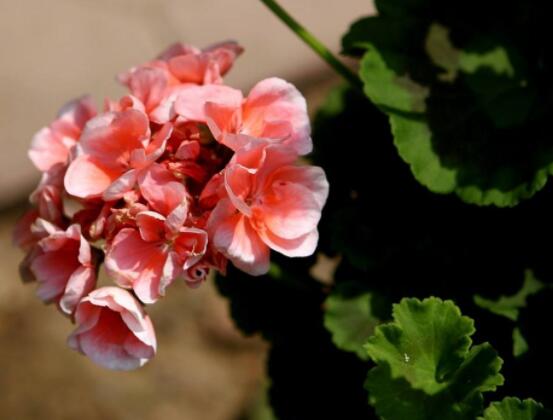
x: 113, y: 330
x: 80, y: 284
x: 151, y: 226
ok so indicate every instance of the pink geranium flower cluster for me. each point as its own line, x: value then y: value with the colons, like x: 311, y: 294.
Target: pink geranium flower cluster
x: 177, y: 178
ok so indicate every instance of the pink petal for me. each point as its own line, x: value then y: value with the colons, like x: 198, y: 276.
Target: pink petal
x: 238, y: 184
x: 165, y: 111
x: 311, y: 177
x: 149, y: 85
x: 188, y: 150
x: 271, y: 105
x: 190, y: 245
x: 52, y: 271
x: 159, y: 140
x: 112, y: 136
x: 224, y: 54
x: 233, y: 235
x: 189, y: 68
x: 80, y: 284
x: 302, y: 246
x: 78, y: 111
x: 177, y: 217
x: 289, y: 210
x: 22, y: 235
x: 135, y: 263
x: 222, y: 119
x: 190, y: 104
x: 47, y: 149
x: 88, y: 178
x: 160, y: 188
x: 151, y: 226
x: 122, y: 185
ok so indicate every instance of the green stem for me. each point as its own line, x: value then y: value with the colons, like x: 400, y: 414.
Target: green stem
x: 314, y: 43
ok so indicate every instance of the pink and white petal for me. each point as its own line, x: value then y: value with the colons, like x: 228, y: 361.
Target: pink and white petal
x: 191, y: 245
x: 110, y: 137
x: 159, y: 140
x: 171, y: 270
x: 80, y: 284
x: 188, y: 68
x: 311, y: 177
x: 302, y: 246
x: 88, y: 178
x: 147, y: 286
x: 222, y: 119
x: 85, y: 254
x: 161, y: 189
x: 151, y: 226
x: 86, y: 318
x: 124, y: 257
x: 132, y: 262
x: 149, y: 85
x: 104, y: 343
x: 47, y: 149
x: 275, y: 100
x: 238, y: 184
x: 240, y: 243
x: 42, y: 228
x: 190, y: 104
x: 287, y: 209
x: 122, y: 185
x: 165, y: 111
x: 177, y: 217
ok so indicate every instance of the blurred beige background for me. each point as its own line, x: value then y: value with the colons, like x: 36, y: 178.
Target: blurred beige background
x: 54, y: 50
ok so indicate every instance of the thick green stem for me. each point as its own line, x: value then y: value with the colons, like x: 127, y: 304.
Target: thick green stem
x: 314, y: 43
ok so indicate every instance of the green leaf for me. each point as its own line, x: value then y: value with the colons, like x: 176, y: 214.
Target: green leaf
x: 426, y: 366
x: 509, y: 306
x: 520, y: 345
x: 468, y: 119
x: 352, y: 319
x: 427, y: 342
x: 514, y: 409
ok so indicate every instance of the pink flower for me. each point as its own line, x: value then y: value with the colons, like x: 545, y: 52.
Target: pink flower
x: 274, y: 110
x: 113, y: 330
x: 116, y: 154
x: 48, y: 195
x: 22, y: 235
x: 179, y: 64
x: 62, y: 265
x: 52, y: 144
x: 149, y: 258
x: 271, y: 203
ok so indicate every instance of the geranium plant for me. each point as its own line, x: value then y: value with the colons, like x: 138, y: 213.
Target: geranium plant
x: 437, y: 153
